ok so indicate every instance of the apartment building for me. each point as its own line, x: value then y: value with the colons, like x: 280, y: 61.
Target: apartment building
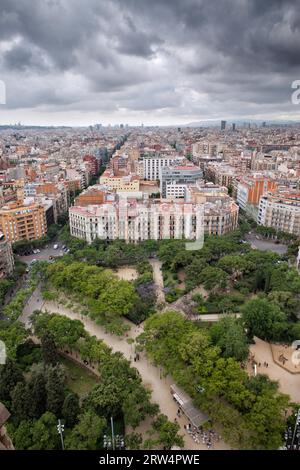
x: 280, y: 211
x: 220, y: 217
x: 6, y: 257
x: 250, y: 189
x: 135, y: 220
x: 262, y: 162
x: 175, y: 178
x: 94, y: 163
x: 152, y: 165
x: 220, y: 210
x: 119, y: 182
x: 19, y: 221
x: 220, y: 174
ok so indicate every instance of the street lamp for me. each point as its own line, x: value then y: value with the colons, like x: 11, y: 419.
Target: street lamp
x: 60, y: 429
x: 113, y: 442
x: 297, y: 423
x: 290, y: 435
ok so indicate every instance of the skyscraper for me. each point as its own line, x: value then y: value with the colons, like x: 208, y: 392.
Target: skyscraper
x: 223, y: 125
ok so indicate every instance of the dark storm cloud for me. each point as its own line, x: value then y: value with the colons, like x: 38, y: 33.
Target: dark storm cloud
x: 171, y: 57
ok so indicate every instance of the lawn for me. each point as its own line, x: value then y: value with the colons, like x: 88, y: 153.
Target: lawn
x: 79, y: 380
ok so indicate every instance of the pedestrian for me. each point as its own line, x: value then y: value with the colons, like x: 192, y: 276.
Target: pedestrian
x: 259, y: 364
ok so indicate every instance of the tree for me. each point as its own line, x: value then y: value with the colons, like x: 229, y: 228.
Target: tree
x: 195, y: 350
x: 49, y: 351
x: 262, y: 317
x: 235, y: 265
x: 10, y: 375
x: 137, y: 405
x: 21, y: 402
x: 38, y: 393
x: 193, y: 272
x: 13, y: 334
x: 213, y: 278
x: 229, y: 334
x: 104, y: 399
x: 87, y: 433
x: 64, y: 331
x: 71, y: 409
x: 55, y: 389
x: 166, y: 433
x: 133, y: 441
x: 44, y: 433
x: 267, y: 422
x: 22, y: 435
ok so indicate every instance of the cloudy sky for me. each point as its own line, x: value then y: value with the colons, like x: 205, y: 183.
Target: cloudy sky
x: 81, y: 62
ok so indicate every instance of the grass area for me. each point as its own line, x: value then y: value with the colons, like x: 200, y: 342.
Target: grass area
x: 79, y: 380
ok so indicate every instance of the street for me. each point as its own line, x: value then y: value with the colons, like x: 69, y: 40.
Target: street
x: 44, y: 253
x: 265, y: 245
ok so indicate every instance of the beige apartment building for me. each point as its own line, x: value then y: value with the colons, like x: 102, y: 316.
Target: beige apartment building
x: 280, y: 211
x: 120, y: 183
x: 22, y: 222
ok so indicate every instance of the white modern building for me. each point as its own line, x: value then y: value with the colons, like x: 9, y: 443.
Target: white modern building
x: 152, y: 165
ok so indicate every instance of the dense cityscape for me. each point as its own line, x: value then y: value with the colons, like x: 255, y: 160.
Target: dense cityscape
x: 149, y: 234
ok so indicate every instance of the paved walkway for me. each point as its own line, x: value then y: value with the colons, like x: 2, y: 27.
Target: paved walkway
x: 158, y: 280
x: 151, y: 375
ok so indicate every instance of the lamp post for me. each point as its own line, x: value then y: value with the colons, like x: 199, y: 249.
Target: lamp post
x: 60, y: 429
x: 113, y: 441
x: 112, y: 432
x: 297, y: 423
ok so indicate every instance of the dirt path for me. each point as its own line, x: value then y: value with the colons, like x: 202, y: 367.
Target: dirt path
x: 158, y: 280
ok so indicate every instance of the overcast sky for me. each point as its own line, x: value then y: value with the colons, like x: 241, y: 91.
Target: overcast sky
x: 81, y: 62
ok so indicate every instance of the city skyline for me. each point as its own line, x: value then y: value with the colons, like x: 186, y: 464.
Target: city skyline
x: 166, y: 63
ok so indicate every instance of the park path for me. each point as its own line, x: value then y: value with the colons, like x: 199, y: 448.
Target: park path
x: 158, y: 280
x: 151, y: 375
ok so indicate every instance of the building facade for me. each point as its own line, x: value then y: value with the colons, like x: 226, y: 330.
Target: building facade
x: 180, y: 175
x: 152, y: 165
x: 134, y: 220
x: 23, y: 222
x: 282, y: 212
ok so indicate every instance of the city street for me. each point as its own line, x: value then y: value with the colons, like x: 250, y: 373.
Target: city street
x: 44, y: 254
x: 265, y: 245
